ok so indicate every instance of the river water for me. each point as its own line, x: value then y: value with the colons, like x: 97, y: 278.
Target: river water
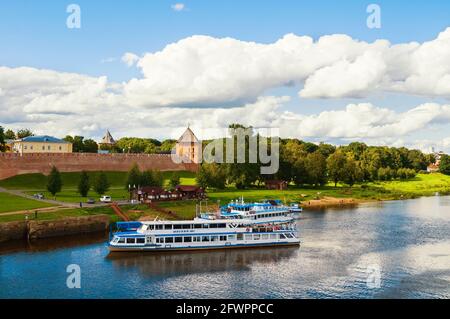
x: 398, y: 249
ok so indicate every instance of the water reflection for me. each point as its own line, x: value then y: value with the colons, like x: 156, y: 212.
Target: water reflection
x: 197, y: 262
x: 49, y: 244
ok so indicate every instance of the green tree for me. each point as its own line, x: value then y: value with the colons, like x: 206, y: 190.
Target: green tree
x: 54, y: 182
x: 167, y: 145
x: 134, y: 177
x: 90, y: 146
x: 147, y: 179
x: 336, y: 166
x: 174, y: 180
x: 444, y: 166
x: 211, y: 175
x: 24, y: 133
x: 352, y: 172
x: 10, y: 135
x: 101, y: 183
x: 316, y: 168
x: 84, y: 184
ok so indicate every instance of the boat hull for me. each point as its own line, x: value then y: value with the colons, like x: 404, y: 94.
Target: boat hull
x: 165, y: 249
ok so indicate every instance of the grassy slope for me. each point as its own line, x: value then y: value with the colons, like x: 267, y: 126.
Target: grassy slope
x: 10, y: 203
x: 34, y: 183
x: 134, y: 211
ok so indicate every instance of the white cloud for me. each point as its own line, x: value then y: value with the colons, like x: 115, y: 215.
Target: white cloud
x: 203, y: 70
x: 178, y: 7
x: 64, y: 103
x: 130, y: 59
x: 208, y: 74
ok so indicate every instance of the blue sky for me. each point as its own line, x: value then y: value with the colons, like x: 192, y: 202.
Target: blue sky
x: 34, y: 34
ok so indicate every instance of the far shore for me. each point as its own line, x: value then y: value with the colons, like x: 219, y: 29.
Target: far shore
x: 332, y: 202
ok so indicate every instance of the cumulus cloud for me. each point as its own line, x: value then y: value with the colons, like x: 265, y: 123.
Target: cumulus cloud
x: 64, y: 103
x: 178, y: 7
x: 130, y: 59
x: 203, y: 70
x: 222, y: 81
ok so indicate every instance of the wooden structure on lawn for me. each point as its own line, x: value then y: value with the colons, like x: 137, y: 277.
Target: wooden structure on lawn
x: 156, y: 193
x: 276, y: 184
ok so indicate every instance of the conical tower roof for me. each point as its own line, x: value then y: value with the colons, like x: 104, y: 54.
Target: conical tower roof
x: 108, y: 139
x: 188, y: 137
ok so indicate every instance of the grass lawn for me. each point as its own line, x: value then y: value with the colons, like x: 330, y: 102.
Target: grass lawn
x: 423, y: 184
x: 11, y: 203
x: 70, y: 180
x: 36, y: 183
x: 134, y: 211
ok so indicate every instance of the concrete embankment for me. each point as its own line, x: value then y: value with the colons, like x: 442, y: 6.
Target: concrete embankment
x: 53, y: 228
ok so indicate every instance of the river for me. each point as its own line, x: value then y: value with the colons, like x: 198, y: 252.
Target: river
x: 398, y: 249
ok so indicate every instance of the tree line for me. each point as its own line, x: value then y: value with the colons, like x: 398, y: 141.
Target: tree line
x: 303, y: 163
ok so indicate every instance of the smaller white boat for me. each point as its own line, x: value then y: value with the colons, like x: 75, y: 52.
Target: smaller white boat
x: 295, y: 210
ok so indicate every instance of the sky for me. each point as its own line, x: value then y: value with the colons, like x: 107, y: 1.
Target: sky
x: 313, y: 70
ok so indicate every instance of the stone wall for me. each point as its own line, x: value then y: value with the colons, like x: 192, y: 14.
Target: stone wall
x: 67, y: 226
x: 53, y: 228
x: 16, y: 164
x: 13, y: 231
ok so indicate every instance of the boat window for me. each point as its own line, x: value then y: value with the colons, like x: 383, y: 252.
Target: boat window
x: 256, y: 237
x: 212, y: 225
x: 205, y: 238
x: 222, y: 226
x: 223, y: 238
x: 187, y: 239
x: 131, y: 240
x: 177, y: 226
x: 169, y: 240
x: 121, y: 241
x: 188, y: 226
x: 197, y: 239
x: 205, y: 226
x: 282, y: 236
x: 197, y: 226
x: 159, y: 240
x: 231, y: 237
x: 273, y: 236
x: 167, y: 226
x: 248, y: 237
x: 178, y: 239
x: 240, y: 236
x: 265, y: 236
x: 158, y: 227
x: 289, y: 235
x: 140, y: 240
x: 214, y: 238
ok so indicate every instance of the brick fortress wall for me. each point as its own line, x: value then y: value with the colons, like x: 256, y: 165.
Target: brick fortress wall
x: 16, y: 164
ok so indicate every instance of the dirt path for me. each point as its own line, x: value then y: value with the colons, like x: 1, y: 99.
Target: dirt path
x: 39, y: 210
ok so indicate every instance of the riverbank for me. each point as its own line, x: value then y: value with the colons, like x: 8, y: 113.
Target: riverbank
x: 35, y: 229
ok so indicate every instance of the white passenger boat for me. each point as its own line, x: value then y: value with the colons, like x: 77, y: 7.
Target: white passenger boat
x: 266, y: 211
x: 206, y: 234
